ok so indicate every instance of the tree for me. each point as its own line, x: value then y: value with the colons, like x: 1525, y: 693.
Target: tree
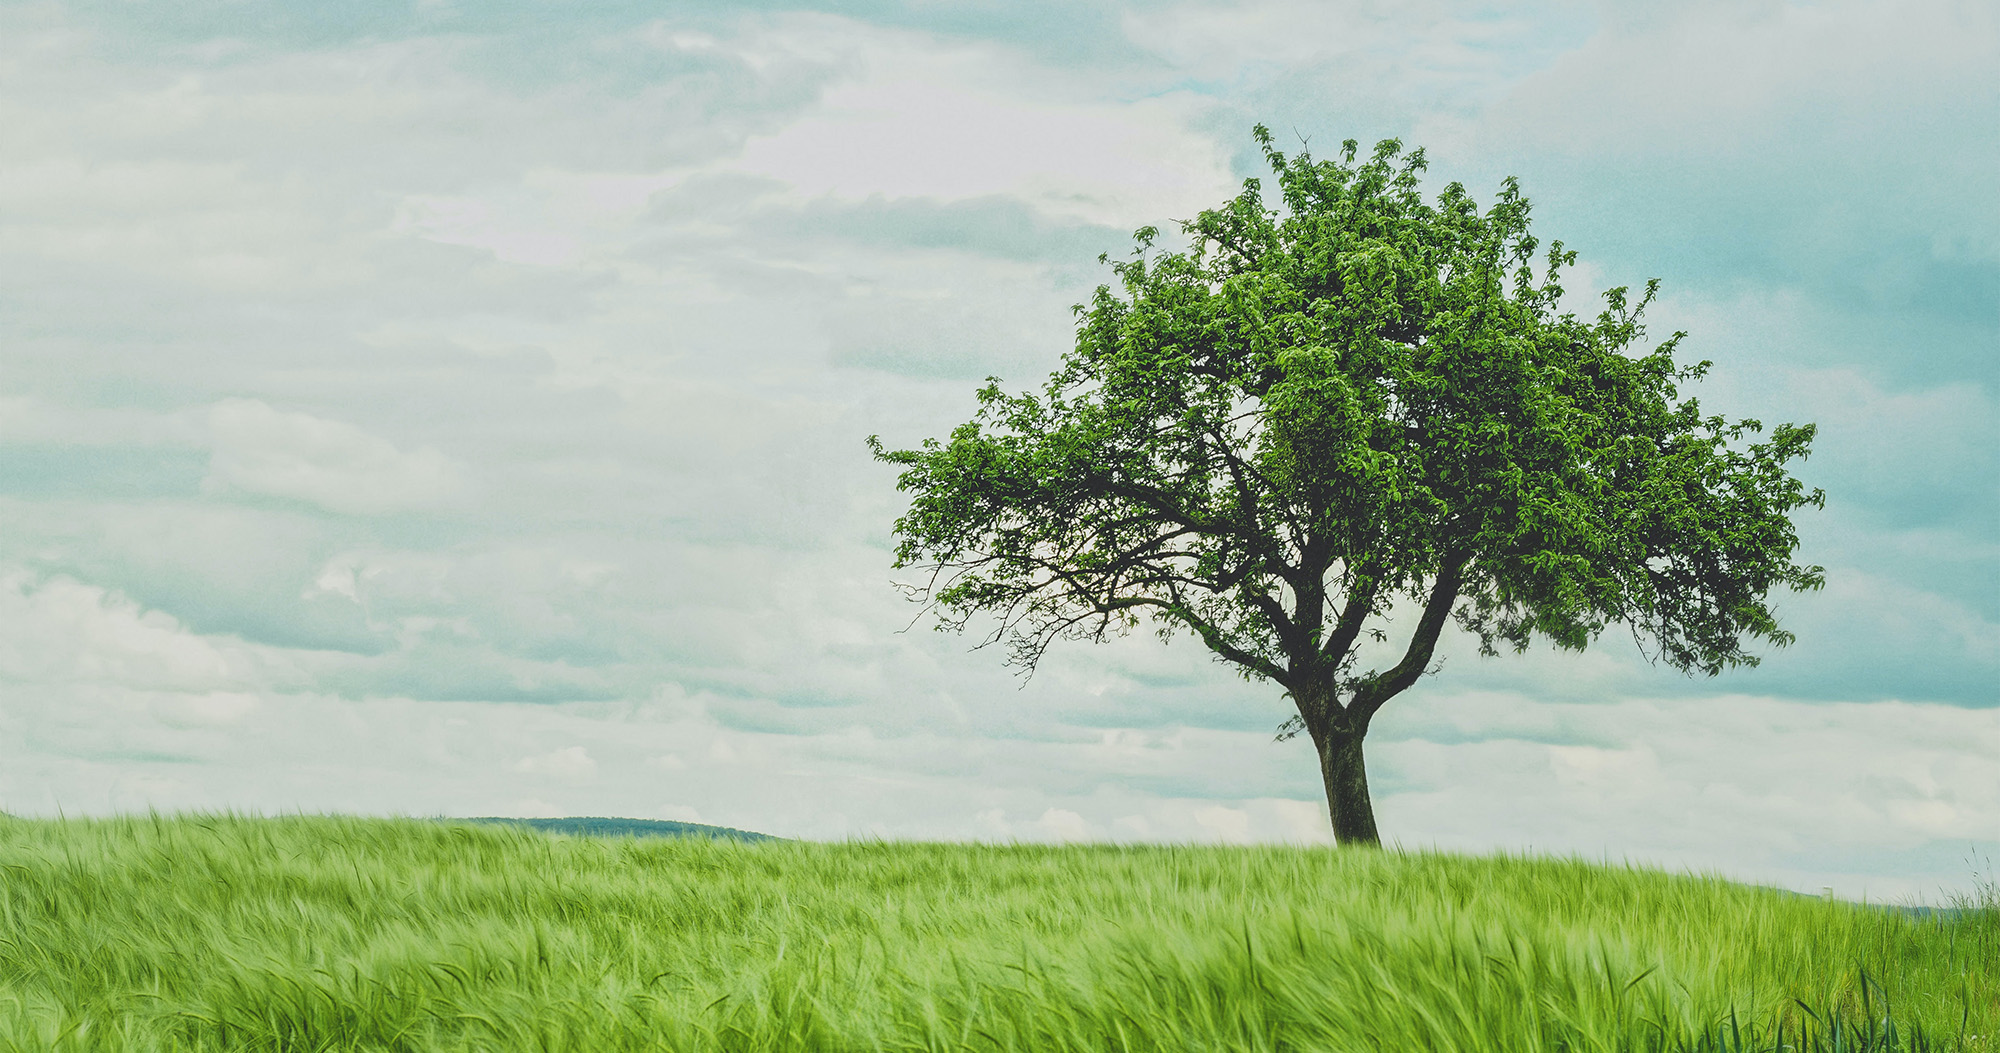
x: 1357, y: 413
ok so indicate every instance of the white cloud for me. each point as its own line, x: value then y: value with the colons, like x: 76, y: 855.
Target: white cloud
x: 568, y: 762
x: 534, y: 808
x: 552, y: 218
x: 1673, y: 781
x: 1060, y: 824
x: 1622, y: 773
x: 206, y: 224
x: 26, y: 419
x: 991, y: 825
x: 1720, y: 72
x: 1229, y: 825
x: 329, y: 463
x: 339, y: 578
x: 683, y: 813
x: 1434, y: 52
x: 1299, y: 821
x: 1940, y: 436
x: 1912, y: 620
x: 924, y: 117
x: 64, y: 631
x: 213, y: 709
x: 1221, y: 41
x: 1835, y: 127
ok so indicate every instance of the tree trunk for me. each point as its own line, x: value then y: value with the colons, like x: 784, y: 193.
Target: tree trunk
x: 1346, y: 775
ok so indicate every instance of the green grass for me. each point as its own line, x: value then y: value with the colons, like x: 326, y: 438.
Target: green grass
x: 315, y: 934
x: 598, y: 826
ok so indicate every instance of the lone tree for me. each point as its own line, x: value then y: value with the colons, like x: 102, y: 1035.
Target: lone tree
x: 1359, y: 414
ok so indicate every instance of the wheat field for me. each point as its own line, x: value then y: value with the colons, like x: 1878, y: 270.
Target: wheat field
x: 215, y: 932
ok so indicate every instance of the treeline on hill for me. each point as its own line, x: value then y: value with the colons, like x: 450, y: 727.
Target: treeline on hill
x: 336, y: 934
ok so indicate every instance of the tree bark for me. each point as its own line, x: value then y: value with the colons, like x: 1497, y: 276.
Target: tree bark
x: 1346, y: 775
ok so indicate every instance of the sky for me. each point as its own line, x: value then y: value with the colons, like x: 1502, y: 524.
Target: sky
x: 441, y: 408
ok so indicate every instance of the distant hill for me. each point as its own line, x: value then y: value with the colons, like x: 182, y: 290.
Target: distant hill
x: 598, y: 826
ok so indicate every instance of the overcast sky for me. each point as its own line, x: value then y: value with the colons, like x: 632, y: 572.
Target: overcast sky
x: 454, y: 408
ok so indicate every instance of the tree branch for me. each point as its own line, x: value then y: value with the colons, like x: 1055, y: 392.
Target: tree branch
x: 1423, y: 642
x: 1360, y: 604
x: 1212, y: 636
x: 1240, y: 474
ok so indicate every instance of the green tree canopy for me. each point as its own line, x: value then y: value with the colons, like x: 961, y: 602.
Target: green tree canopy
x: 1360, y: 404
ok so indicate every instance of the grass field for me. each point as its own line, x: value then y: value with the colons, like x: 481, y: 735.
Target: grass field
x: 316, y: 934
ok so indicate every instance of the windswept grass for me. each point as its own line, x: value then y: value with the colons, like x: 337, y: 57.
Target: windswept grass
x: 213, y: 933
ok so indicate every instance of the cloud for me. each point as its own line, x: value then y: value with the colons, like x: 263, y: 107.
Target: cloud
x: 1436, y: 53
x: 1228, y: 825
x: 328, y: 463
x: 1622, y: 773
x: 1790, y: 785
x: 27, y: 420
x: 545, y: 220
x: 678, y: 812
x: 1815, y: 148
x: 1790, y: 793
x: 949, y: 120
x: 1061, y: 824
x: 568, y: 762
x: 1909, y: 456
x: 63, y: 631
